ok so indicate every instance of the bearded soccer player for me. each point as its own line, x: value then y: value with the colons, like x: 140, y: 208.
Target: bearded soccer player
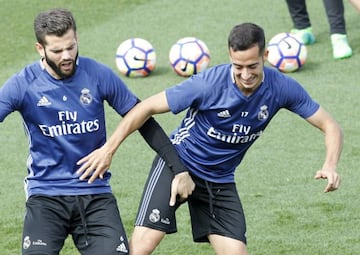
x: 61, y: 100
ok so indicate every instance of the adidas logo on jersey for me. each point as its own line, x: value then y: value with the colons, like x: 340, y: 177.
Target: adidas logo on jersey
x: 43, y: 101
x: 224, y: 114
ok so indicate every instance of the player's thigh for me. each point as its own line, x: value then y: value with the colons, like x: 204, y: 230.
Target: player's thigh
x: 101, y: 231
x: 216, y: 209
x: 144, y: 240
x: 45, y: 226
x: 227, y: 246
x: 154, y: 211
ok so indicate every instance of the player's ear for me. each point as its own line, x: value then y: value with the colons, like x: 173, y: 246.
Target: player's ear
x: 76, y: 38
x: 266, y: 53
x: 40, y: 49
x: 230, y: 57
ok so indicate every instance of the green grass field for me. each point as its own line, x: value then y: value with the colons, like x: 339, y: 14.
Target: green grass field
x: 286, y: 209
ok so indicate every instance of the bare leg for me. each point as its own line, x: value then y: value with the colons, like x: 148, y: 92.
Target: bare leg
x: 227, y: 246
x: 144, y: 240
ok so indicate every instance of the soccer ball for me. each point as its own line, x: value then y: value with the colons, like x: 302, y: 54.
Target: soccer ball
x: 135, y: 57
x: 189, y: 56
x: 286, y: 52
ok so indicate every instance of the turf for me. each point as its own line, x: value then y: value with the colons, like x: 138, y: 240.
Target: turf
x: 286, y: 210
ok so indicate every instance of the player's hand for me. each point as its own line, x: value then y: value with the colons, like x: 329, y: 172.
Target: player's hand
x: 332, y: 177
x: 182, y: 185
x: 94, y: 164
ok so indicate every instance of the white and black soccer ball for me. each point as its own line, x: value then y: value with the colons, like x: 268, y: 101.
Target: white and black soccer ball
x: 188, y: 56
x: 135, y: 57
x: 286, y: 52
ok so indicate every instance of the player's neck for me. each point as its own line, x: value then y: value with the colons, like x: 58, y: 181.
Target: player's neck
x: 248, y: 89
x: 49, y: 69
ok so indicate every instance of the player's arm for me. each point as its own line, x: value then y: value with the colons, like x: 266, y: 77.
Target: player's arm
x: 158, y: 140
x: 97, y: 162
x: 333, y: 136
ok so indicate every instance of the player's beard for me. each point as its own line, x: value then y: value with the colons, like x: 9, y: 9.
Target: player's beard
x: 57, y: 68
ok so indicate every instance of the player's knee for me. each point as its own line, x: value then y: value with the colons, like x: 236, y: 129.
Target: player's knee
x: 144, y: 241
x: 142, y: 247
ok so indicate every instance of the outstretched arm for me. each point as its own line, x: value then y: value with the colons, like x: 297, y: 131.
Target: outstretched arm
x: 98, y: 162
x: 333, y: 136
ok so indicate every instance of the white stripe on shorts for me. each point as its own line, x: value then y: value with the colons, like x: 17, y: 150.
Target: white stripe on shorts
x: 149, y: 191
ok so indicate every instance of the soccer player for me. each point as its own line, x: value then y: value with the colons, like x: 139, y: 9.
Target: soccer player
x: 61, y: 100
x: 335, y: 15
x: 228, y: 108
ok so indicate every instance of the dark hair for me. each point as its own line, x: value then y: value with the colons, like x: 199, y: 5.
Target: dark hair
x: 53, y: 22
x: 245, y: 36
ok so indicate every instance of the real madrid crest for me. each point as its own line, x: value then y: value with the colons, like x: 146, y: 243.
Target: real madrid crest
x: 85, y: 97
x: 154, y: 216
x: 263, y: 113
x: 26, y: 242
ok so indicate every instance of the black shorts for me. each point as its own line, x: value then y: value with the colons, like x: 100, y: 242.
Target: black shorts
x: 214, y: 208
x: 93, y: 221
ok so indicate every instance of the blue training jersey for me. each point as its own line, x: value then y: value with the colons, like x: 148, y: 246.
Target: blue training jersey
x: 221, y: 123
x: 64, y: 121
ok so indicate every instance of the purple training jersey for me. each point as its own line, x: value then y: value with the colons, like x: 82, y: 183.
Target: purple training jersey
x: 64, y: 121
x: 221, y: 123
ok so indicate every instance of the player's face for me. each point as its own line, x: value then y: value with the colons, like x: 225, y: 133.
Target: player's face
x: 60, y: 54
x: 248, y: 67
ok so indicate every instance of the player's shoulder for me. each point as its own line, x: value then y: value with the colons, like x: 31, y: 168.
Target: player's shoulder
x: 217, y: 71
x: 280, y: 83
x: 276, y: 78
x: 29, y: 73
x: 273, y: 73
x: 92, y: 65
x: 216, y: 75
